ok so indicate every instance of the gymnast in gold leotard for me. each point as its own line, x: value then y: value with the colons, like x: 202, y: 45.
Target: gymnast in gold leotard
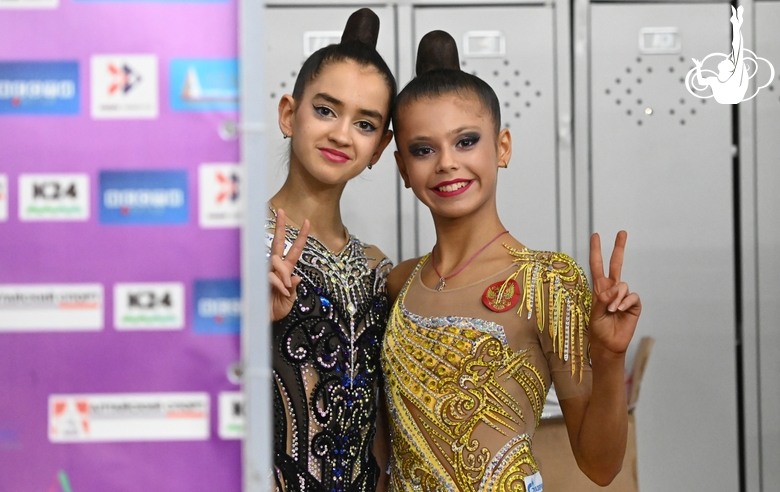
x: 482, y: 326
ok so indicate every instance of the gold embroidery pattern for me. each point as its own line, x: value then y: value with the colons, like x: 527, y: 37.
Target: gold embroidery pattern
x: 449, y: 379
x: 568, y: 304
x: 445, y: 377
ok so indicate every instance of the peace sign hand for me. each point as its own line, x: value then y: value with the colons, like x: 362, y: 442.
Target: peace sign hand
x: 283, y: 282
x: 615, y: 310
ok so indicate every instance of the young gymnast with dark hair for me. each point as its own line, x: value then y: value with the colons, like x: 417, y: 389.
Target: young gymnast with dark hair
x: 482, y: 325
x: 329, y: 302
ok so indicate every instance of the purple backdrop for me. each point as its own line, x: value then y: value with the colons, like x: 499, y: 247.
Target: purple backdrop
x: 34, y: 365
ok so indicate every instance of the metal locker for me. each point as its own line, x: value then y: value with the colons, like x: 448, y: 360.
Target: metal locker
x: 662, y: 169
x: 512, y: 49
x: 369, y: 204
x: 767, y: 18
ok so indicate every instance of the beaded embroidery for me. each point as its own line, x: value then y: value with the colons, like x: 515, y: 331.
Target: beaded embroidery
x: 326, y: 370
x: 453, y: 383
x: 569, y: 304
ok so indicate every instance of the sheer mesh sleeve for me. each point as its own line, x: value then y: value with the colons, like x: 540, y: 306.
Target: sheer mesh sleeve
x: 555, y: 290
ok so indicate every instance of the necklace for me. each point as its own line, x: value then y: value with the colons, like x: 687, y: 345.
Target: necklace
x: 442, y: 279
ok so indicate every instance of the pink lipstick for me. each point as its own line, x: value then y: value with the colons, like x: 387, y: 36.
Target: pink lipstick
x: 334, y: 155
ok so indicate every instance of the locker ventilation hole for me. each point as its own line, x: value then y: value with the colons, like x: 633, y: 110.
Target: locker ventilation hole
x: 513, y: 89
x: 630, y: 85
x: 283, y: 86
x: 772, y: 87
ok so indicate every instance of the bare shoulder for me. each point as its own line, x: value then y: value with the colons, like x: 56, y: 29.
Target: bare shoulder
x: 398, y: 277
x: 375, y: 256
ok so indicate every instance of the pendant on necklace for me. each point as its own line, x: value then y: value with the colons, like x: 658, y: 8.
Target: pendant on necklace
x: 440, y: 285
x: 499, y: 301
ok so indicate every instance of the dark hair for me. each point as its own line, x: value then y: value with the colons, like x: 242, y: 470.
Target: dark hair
x: 438, y: 74
x: 358, y: 43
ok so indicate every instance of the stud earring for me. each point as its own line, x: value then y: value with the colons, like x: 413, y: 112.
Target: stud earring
x: 286, y: 136
x: 370, y: 166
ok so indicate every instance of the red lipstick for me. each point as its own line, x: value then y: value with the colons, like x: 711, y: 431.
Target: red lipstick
x: 334, y: 155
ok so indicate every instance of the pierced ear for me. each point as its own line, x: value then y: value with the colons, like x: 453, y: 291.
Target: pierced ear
x: 504, y: 148
x: 399, y: 161
x: 286, y: 114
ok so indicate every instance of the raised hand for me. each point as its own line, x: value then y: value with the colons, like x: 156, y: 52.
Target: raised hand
x: 615, y: 310
x: 283, y: 282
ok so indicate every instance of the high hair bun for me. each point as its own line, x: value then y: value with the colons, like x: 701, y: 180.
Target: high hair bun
x: 362, y: 26
x: 437, y: 51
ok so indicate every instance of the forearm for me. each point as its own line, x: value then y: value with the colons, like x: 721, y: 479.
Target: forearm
x: 601, y: 443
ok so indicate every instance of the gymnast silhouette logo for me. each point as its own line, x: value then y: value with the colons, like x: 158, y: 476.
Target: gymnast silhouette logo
x: 730, y: 84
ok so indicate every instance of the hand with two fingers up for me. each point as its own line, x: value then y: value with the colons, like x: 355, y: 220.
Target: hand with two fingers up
x: 281, y: 268
x: 615, y: 310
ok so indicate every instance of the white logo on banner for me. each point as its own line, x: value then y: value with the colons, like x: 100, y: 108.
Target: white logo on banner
x: 158, y: 306
x: 29, y: 4
x: 124, y: 86
x: 231, y: 415
x: 3, y: 197
x: 53, y: 197
x: 220, y: 197
x: 129, y: 417
x: 730, y: 83
x: 51, y: 307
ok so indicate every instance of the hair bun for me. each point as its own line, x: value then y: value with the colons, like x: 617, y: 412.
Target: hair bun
x: 437, y: 50
x: 362, y: 26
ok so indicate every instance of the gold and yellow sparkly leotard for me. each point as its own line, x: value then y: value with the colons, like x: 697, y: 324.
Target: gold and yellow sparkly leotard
x: 466, y: 384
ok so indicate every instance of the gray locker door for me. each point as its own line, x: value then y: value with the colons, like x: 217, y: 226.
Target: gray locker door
x: 768, y: 210
x: 661, y: 169
x: 369, y: 205
x: 524, y: 80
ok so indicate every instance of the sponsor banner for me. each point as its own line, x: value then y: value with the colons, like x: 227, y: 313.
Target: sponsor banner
x: 128, y: 417
x: 51, y: 307
x: 231, y: 415
x: 217, y: 305
x: 38, y: 87
x: 29, y: 4
x: 3, y: 197
x: 124, y: 87
x: 53, y: 197
x: 157, y: 306
x: 220, y: 203
x: 143, y: 197
x: 204, y: 84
